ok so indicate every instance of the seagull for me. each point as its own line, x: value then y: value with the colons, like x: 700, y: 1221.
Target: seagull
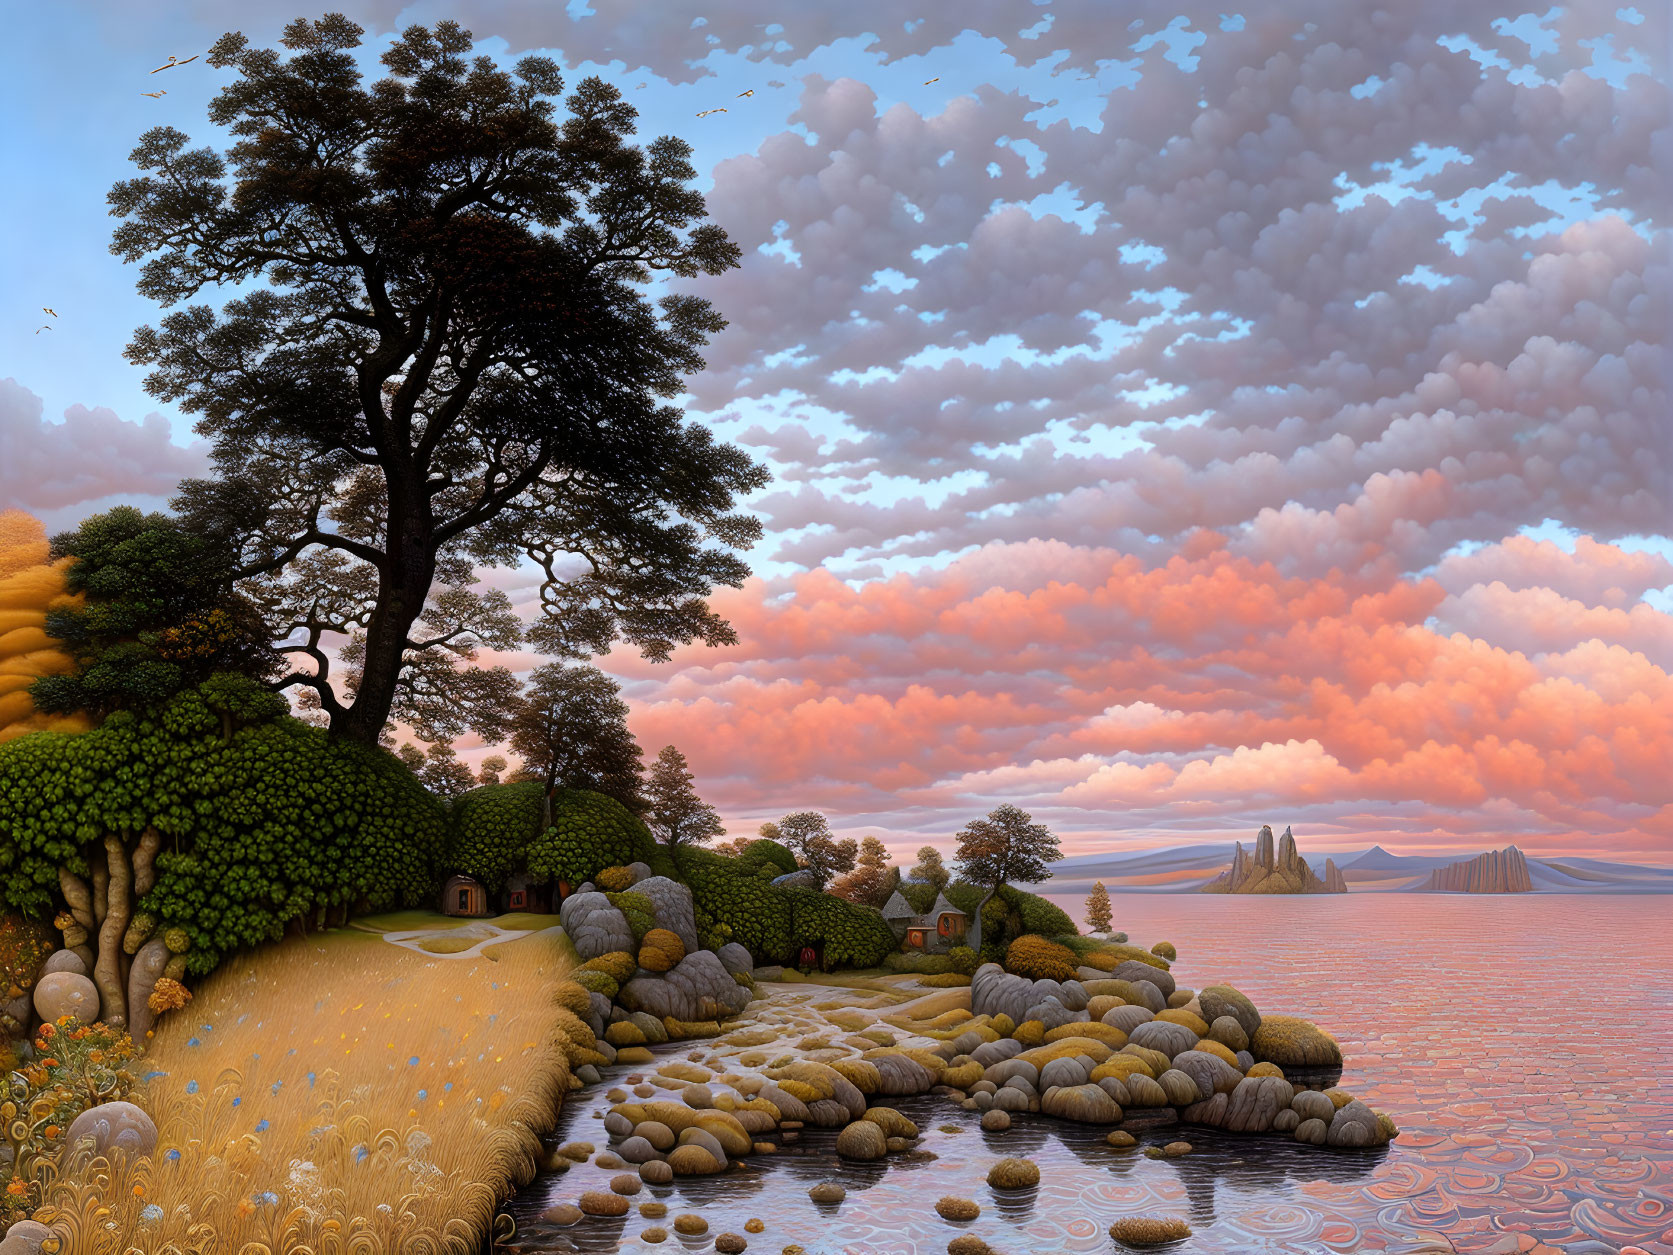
x: 47, y: 327
x: 707, y: 112
x: 154, y: 95
x: 928, y: 81
x: 45, y: 310
x: 641, y: 87
x: 174, y: 61
x: 750, y: 92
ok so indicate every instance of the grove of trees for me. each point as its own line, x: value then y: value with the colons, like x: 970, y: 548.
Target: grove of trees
x: 1004, y: 847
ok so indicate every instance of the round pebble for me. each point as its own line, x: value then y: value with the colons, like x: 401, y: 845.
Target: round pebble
x: 691, y: 1226
x: 598, y: 1203
x: 951, y: 1208
x: 753, y: 1225
x: 626, y: 1183
x: 730, y: 1243
x: 996, y: 1121
x: 1122, y: 1140
x: 653, y: 1211
x: 827, y: 1192
x: 654, y: 1234
x: 655, y: 1172
x: 563, y: 1213
x: 1014, y: 1174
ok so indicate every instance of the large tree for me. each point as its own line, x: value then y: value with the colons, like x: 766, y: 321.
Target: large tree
x: 930, y: 869
x: 441, y: 356
x: 677, y: 814
x: 570, y: 729
x: 1003, y: 847
x: 807, y: 835
x: 873, y: 878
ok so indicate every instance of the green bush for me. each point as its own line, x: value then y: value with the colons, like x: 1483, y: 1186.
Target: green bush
x: 768, y: 854
x: 492, y: 829
x: 1009, y: 914
x: 732, y: 903
x: 965, y: 961
x: 919, y: 964
x: 848, y: 935
x: 264, y: 820
x: 590, y: 832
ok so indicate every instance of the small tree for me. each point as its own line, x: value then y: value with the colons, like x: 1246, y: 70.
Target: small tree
x: 930, y: 869
x: 1004, y: 846
x: 737, y: 845
x: 1098, y: 909
x: 491, y: 769
x: 807, y: 835
x: 677, y: 814
x: 873, y: 879
x: 570, y: 729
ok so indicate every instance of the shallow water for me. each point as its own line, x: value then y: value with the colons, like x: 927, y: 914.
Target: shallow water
x: 1522, y: 1045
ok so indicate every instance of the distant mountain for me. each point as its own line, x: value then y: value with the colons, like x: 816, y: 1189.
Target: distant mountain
x: 1187, y: 868
x: 1275, y: 870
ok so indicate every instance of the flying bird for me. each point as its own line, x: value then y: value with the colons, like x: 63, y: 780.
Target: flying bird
x: 707, y: 112
x: 750, y: 92
x: 928, y: 81
x: 45, y: 310
x: 174, y: 61
x: 154, y: 95
x: 641, y: 87
x: 45, y: 327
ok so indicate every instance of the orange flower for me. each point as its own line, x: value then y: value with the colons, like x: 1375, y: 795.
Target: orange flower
x: 16, y: 1188
x: 47, y: 1030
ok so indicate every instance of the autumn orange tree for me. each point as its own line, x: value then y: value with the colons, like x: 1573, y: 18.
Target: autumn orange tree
x: 32, y: 586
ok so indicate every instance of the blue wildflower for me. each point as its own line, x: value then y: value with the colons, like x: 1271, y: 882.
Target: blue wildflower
x: 423, y: 1094
x: 173, y: 1156
x: 191, y: 1087
x: 412, y: 1062
x: 310, y: 1080
x: 192, y: 1041
x: 151, y: 1213
x: 277, y: 1086
x: 238, y: 1100
x: 262, y: 1126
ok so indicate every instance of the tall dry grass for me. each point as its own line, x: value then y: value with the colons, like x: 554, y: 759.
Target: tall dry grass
x: 336, y: 1095
x: 31, y: 584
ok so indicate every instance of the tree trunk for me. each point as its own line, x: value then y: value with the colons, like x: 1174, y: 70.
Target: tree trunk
x: 975, y: 938
x: 145, y: 857
x: 78, y: 897
x: 107, y: 970
x: 404, y: 583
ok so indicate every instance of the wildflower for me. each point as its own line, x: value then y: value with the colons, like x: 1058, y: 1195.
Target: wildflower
x: 139, y: 1191
x: 151, y: 1213
x: 16, y: 1188
x: 173, y: 1156
x: 47, y: 1030
x: 262, y: 1126
x: 191, y: 1087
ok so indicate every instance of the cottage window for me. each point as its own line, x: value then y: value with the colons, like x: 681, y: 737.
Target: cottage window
x: 915, y: 937
x: 518, y: 898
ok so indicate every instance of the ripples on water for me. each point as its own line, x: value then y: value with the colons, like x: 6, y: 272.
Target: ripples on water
x: 1521, y: 1043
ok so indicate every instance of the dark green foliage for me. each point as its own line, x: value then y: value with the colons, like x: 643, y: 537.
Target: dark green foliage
x: 764, y: 853
x: 1009, y: 914
x: 733, y: 903
x: 496, y: 831
x: 570, y: 729
x: 637, y: 909
x: 264, y: 820
x: 159, y: 616
x: 493, y: 827
x: 919, y: 964
x: 590, y: 832
x: 848, y: 935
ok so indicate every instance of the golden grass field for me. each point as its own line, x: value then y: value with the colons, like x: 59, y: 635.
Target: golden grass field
x: 336, y: 1094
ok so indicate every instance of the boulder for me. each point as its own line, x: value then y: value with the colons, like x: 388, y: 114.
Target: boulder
x: 65, y: 993
x: 61, y: 961
x: 990, y: 1053
x: 1212, y: 1074
x: 1314, y: 1132
x: 1071, y: 1070
x: 1228, y: 1031
x: 1052, y: 1014
x: 638, y: 1150
x: 672, y: 907
x: 1116, y: 1088
x: 1355, y: 1125
x: 594, y: 926
x: 25, y: 1236
x: 1085, y: 1104
x: 1180, y: 1088
x: 1294, y: 1043
x: 698, y: 987
x: 114, y: 1126
x: 1256, y: 1102
x: 1169, y: 1038
x: 1143, y: 1091
x: 1218, y: 1000
x: 1014, y: 1174
x: 996, y: 1121
x: 862, y: 1140
x: 1311, y: 1104
x: 640, y: 871
x: 1135, y: 971
x: 1211, y: 1111
x: 734, y: 958
x: 1127, y: 1018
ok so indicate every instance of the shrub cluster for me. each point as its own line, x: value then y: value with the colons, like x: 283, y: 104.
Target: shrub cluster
x: 264, y: 820
x: 849, y: 935
x: 1039, y: 959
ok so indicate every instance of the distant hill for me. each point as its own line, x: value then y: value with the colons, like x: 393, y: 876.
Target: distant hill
x: 1497, y: 871
x: 1186, y: 868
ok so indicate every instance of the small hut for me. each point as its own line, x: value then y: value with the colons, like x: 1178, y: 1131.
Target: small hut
x: 524, y: 893
x: 935, y: 932
x: 464, y: 895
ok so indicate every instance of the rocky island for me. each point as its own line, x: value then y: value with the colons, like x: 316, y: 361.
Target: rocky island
x: 1497, y: 871
x: 1280, y: 870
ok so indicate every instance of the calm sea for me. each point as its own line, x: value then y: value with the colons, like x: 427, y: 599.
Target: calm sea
x: 1523, y: 1045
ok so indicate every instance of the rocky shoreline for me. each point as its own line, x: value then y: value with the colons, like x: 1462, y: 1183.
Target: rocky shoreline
x: 1119, y: 1045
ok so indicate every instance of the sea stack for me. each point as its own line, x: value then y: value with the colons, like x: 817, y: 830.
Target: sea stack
x: 1275, y: 870
x: 1497, y: 871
